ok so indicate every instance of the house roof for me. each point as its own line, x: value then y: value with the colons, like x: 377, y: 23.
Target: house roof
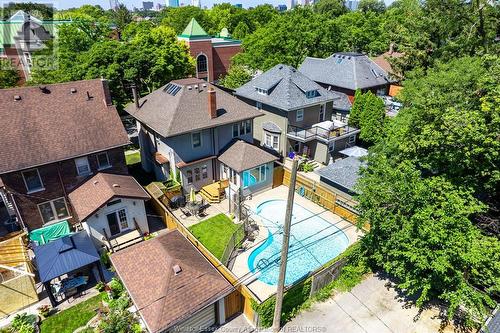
x: 64, y: 255
x: 383, y: 61
x: 348, y: 70
x: 193, y: 29
x: 163, y: 297
x: 354, y: 151
x: 182, y: 106
x: 492, y: 324
x: 98, y: 190
x: 56, y: 123
x: 241, y: 155
x: 271, y: 127
x: 286, y: 90
x: 344, y: 173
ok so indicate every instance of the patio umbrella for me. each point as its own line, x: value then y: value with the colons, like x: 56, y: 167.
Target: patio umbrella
x: 192, y: 196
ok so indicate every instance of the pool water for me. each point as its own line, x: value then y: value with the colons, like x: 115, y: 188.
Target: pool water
x: 313, y: 242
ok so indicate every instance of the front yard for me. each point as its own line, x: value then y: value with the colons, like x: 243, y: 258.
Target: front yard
x: 72, y: 318
x: 215, y: 233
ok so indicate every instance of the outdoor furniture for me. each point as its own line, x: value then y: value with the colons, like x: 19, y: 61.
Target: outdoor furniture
x: 201, y: 210
x: 193, y: 207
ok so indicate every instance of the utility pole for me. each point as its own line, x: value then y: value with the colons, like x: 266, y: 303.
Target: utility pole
x: 284, y: 247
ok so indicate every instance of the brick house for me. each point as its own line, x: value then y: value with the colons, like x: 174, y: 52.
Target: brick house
x: 212, y: 54
x: 54, y: 138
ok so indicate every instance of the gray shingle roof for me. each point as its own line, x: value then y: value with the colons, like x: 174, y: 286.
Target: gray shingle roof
x: 344, y: 172
x: 354, y: 151
x: 492, y: 325
x: 286, y: 90
x: 241, y: 156
x: 347, y: 70
x: 271, y: 127
x: 186, y: 110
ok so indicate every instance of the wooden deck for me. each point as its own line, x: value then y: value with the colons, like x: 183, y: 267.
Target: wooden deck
x: 214, y: 192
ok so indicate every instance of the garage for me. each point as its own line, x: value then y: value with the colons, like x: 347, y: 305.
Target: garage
x: 198, y: 322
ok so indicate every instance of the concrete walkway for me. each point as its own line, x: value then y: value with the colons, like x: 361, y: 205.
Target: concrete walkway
x: 373, y: 306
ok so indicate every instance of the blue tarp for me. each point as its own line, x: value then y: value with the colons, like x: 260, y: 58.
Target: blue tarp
x: 64, y: 255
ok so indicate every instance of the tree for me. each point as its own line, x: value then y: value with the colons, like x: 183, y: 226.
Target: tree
x: 241, y: 30
x: 368, y: 114
x: 376, y: 6
x: 121, y: 17
x: 38, y: 10
x: 179, y: 17
x: 356, y: 110
x: 9, y: 75
x: 330, y: 8
x: 237, y: 76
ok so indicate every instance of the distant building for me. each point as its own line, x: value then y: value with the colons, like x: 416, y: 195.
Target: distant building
x: 291, y: 4
x: 173, y: 3
x: 281, y: 8
x: 238, y: 5
x: 212, y: 54
x: 196, y: 3
x: 159, y: 6
x: 147, y: 5
x: 352, y: 4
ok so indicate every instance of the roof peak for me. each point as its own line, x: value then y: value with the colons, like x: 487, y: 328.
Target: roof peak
x: 194, y: 29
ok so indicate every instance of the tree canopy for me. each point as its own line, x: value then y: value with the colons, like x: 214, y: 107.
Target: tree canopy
x: 368, y: 114
x: 8, y: 74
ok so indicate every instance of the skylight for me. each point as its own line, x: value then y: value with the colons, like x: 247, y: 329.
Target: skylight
x: 261, y: 91
x: 311, y: 93
x: 172, y: 89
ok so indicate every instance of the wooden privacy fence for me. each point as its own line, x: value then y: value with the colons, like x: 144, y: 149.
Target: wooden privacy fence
x: 173, y: 223
x: 326, y: 275
x: 324, y: 197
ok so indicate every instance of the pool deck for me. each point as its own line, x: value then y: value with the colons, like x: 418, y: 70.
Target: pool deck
x: 240, y: 266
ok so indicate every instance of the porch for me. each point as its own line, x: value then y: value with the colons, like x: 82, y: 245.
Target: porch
x: 214, y: 193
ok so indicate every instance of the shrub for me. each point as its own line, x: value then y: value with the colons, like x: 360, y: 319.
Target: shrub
x: 105, y: 259
x: 116, y: 288
x: 118, y: 321
x: 44, y: 310
x: 100, y: 286
x: 24, y: 323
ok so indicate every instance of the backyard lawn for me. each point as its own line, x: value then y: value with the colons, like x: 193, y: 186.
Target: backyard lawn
x: 132, y: 157
x: 214, y: 233
x: 72, y: 318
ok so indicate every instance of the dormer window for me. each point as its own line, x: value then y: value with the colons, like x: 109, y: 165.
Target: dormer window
x: 261, y: 91
x: 311, y: 93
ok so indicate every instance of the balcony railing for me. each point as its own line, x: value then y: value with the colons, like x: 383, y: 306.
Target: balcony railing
x: 316, y: 132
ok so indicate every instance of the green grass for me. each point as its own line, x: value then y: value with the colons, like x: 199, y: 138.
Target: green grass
x: 133, y: 158
x: 214, y: 233
x: 72, y: 318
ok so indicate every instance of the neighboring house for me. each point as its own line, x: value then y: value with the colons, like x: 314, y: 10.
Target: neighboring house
x: 342, y: 175
x: 185, y: 125
x: 108, y: 205
x: 173, y: 286
x: 55, y: 138
x: 347, y: 72
x: 298, y: 114
x: 212, y: 54
x: 23, y: 34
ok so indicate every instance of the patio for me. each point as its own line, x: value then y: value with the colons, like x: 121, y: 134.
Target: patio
x: 240, y: 264
x: 211, y: 210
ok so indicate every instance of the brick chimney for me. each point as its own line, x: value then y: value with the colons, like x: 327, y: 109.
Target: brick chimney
x: 212, y: 103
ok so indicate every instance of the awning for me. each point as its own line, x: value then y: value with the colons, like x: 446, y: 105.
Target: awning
x: 49, y: 233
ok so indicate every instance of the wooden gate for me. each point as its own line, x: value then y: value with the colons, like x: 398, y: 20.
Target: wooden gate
x: 278, y: 174
x: 233, y: 304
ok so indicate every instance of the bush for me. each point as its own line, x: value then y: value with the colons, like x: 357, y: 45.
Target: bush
x: 116, y: 288
x: 105, y: 259
x: 119, y: 321
x: 100, y: 286
x: 44, y: 310
x: 24, y: 323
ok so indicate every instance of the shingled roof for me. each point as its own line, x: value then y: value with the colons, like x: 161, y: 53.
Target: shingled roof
x: 163, y: 297
x: 241, y: 155
x: 182, y: 107
x: 42, y: 125
x: 343, y: 174
x: 103, y: 187
x: 348, y: 70
x: 286, y: 90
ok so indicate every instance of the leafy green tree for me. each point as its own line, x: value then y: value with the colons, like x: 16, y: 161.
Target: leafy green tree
x: 376, y: 6
x: 330, y: 8
x: 121, y: 17
x: 179, y: 17
x: 368, y: 114
x: 356, y: 110
x: 237, y: 76
x: 38, y: 10
x: 241, y: 30
x: 84, y: 13
x: 261, y: 15
x: 9, y: 75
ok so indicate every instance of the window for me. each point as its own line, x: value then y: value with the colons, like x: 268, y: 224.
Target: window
x: 322, y: 108
x: 235, y: 130
x: 248, y: 126
x: 242, y: 128
x: 254, y: 176
x: 54, y: 210
x: 196, y: 139
x: 311, y: 93
x: 103, y: 161
x: 33, y: 181
x: 300, y: 115
x: 352, y: 139
x: 189, y: 176
x: 204, y: 172
x: 272, y: 140
x: 261, y: 91
x: 331, y: 147
x: 122, y: 217
x: 276, y: 141
x: 258, y: 105
x: 268, y: 140
x: 201, y: 63
x: 82, y: 166
x: 197, y: 174
x: 381, y: 92
x: 114, y: 202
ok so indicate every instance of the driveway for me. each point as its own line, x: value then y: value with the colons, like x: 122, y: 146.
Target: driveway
x: 373, y: 306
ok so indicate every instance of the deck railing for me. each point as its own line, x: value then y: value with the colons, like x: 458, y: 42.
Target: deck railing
x: 318, y: 132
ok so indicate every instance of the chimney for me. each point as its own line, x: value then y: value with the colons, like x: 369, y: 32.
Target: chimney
x: 212, y: 103
x: 136, y: 96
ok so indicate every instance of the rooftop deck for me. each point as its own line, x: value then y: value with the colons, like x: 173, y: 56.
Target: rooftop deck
x: 321, y: 132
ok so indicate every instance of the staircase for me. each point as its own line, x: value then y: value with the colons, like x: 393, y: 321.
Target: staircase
x: 8, y: 204
x: 214, y: 193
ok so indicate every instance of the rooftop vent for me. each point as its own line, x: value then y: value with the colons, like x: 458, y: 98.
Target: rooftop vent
x: 196, y: 87
x: 89, y: 97
x: 44, y: 89
x: 177, y: 269
x: 17, y: 98
x: 96, y: 182
x: 281, y: 67
x: 116, y: 185
x: 204, y: 85
x: 73, y: 90
x: 190, y: 88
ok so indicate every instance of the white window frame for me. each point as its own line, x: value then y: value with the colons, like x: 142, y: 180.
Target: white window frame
x: 236, y: 126
x: 28, y: 59
x: 189, y: 174
x: 248, y: 126
x: 260, y: 180
x: 258, y: 105
x: 42, y: 188
x: 269, y: 140
x: 301, y: 112
x: 352, y: 139
x: 56, y: 218
x: 204, y: 171
x: 102, y: 167
x: 84, y: 162
x: 322, y: 112
x: 192, y: 140
x: 331, y: 147
x: 117, y: 212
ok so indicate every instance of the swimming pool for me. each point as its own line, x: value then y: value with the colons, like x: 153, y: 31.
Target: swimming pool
x: 313, y: 242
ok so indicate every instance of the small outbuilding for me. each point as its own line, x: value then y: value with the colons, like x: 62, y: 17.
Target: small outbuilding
x: 342, y: 175
x: 67, y: 264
